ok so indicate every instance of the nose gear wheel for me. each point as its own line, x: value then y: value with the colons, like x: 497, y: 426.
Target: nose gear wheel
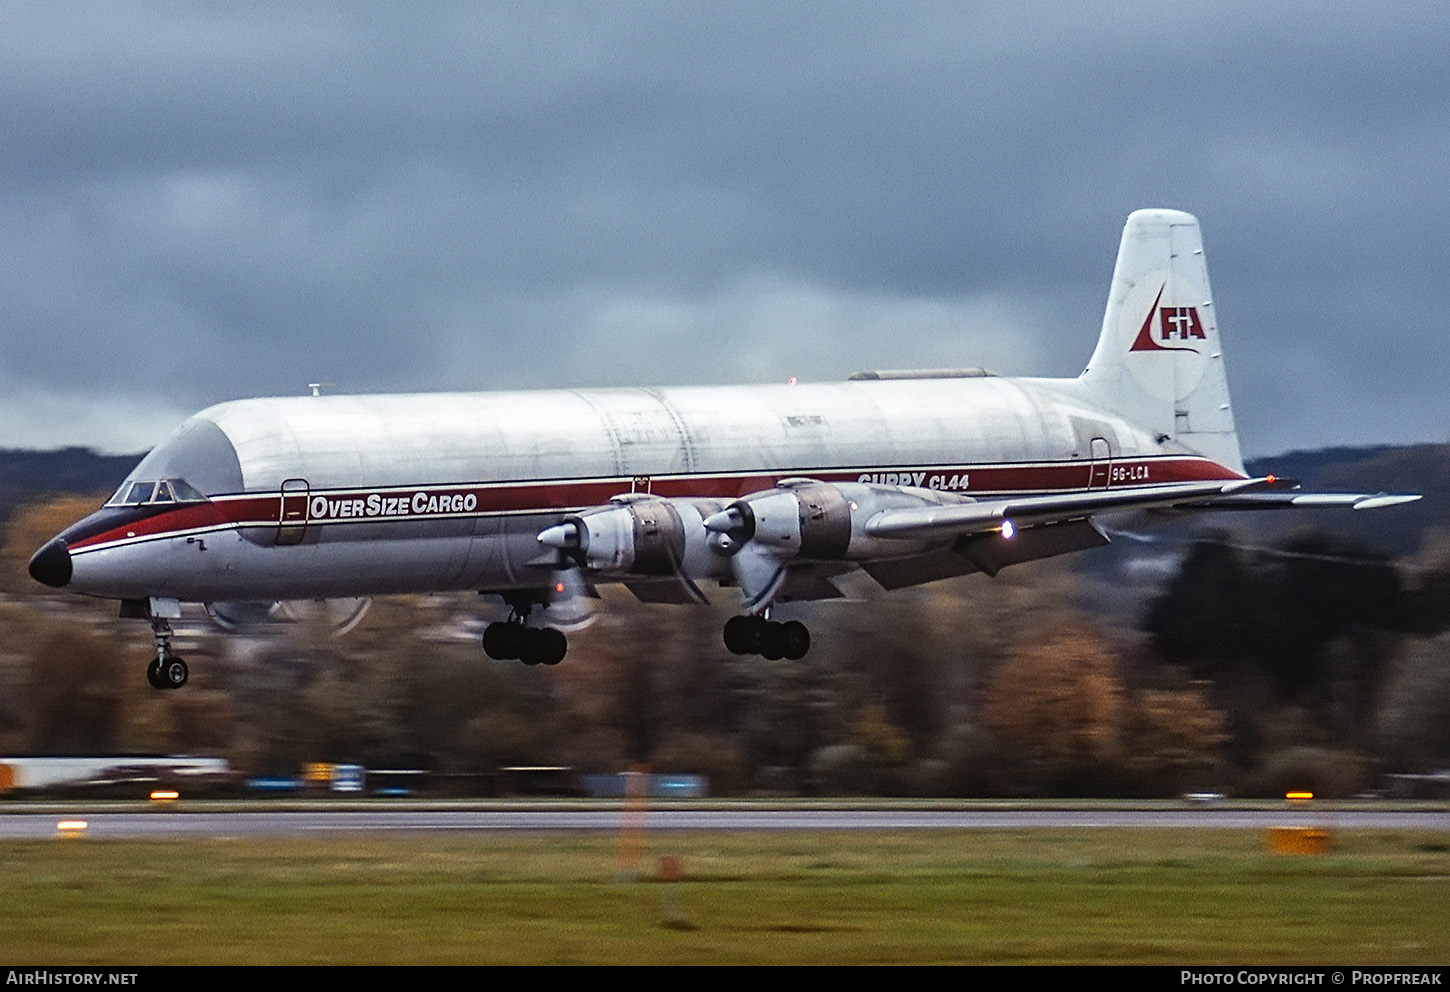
x: 167, y: 670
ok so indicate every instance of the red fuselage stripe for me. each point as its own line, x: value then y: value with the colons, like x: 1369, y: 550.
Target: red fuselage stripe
x: 401, y: 503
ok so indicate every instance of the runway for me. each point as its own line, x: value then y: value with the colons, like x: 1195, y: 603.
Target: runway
x: 264, y: 823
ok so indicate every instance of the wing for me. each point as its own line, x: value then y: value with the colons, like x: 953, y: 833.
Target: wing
x: 990, y: 535
x: 1012, y: 515
x: 793, y: 541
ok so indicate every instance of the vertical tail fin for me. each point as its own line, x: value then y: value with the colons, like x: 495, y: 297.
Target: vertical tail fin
x: 1158, y: 361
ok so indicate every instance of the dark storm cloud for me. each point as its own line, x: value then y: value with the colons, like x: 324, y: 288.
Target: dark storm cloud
x: 205, y: 202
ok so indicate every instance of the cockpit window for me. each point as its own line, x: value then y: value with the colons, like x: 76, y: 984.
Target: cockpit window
x: 140, y: 493
x: 185, y: 492
x: 152, y: 493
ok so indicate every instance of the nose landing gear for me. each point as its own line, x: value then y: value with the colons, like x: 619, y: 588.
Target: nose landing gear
x: 167, y: 670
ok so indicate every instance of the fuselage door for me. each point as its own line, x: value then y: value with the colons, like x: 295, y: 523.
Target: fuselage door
x: 292, y: 518
x: 1102, y: 468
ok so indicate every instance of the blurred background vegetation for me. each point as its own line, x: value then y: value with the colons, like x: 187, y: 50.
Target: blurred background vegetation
x: 1302, y: 651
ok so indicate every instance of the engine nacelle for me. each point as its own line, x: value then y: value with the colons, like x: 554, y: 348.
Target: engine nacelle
x: 701, y: 538
x: 641, y: 535
x: 820, y: 521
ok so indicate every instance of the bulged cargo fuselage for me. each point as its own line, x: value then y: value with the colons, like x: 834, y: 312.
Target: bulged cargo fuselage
x: 332, y: 496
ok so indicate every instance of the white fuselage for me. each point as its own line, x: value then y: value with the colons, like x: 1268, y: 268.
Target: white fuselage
x: 332, y: 496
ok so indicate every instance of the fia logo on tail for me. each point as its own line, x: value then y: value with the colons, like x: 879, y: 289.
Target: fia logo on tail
x: 1174, y: 324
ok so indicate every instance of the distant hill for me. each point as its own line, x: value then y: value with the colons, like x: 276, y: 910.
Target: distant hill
x: 30, y: 475
x: 1415, y: 468
x: 1145, y: 552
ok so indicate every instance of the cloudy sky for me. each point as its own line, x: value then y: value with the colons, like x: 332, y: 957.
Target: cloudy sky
x: 206, y: 201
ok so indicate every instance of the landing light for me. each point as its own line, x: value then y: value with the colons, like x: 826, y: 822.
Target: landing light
x: 1009, y: 529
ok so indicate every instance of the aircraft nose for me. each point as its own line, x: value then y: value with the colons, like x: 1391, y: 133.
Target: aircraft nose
x: 51, y: 565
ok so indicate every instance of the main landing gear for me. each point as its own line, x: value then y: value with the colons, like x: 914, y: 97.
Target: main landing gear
x: 167, y: 670
x: 772, y: 641
x: 512, y: 639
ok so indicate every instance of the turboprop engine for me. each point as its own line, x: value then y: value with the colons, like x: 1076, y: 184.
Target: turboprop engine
x: 751, y: 541
x: 639, y: 534
x: 802, y: 519
x: 819, y: 521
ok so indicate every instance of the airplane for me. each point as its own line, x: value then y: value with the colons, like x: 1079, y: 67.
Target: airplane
x: 780, y: 491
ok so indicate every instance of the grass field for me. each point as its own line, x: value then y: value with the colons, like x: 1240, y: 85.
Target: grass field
x: 1094, y: 896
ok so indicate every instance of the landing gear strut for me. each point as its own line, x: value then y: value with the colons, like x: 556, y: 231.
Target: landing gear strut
x: 771, y: 640
x: 167, y: 670
x: 513, y: 639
